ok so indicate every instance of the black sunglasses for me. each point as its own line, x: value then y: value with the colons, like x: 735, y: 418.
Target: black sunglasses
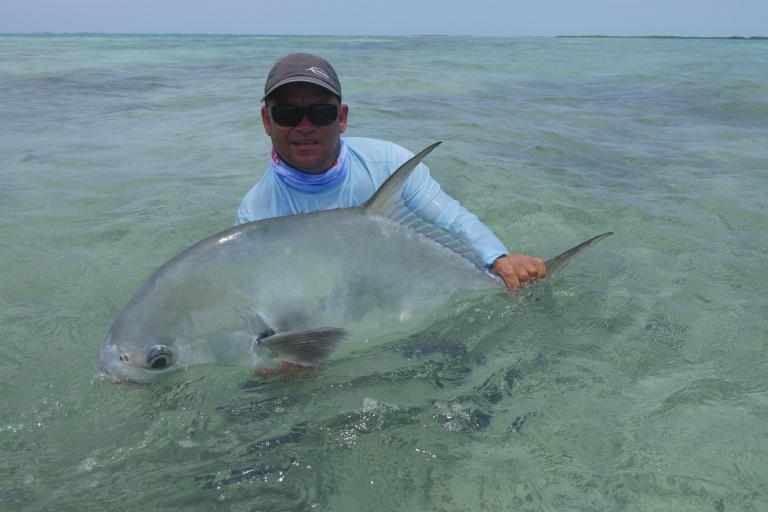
x: 291, y: 115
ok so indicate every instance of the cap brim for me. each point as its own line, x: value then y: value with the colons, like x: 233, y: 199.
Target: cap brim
x: 300, y: 79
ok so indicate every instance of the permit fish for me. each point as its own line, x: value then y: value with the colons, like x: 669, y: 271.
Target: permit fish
x: 291, y: 289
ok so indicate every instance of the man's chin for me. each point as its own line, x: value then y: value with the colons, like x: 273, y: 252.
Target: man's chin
x: 309, y: 163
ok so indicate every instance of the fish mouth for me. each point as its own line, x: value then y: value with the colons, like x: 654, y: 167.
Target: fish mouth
x: 160, y: 357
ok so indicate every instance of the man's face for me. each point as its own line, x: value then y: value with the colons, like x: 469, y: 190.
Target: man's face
x: 306, y: 147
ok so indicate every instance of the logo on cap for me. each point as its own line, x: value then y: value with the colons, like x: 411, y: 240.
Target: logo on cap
x: 316, y: 70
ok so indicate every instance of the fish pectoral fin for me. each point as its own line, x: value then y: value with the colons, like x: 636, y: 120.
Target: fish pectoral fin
x: 305, y: 347
x: 256, y: 322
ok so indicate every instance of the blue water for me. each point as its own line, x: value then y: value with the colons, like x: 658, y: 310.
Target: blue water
x: 639, y: 381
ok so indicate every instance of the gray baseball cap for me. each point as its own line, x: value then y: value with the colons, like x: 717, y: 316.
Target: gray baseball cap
x: 302, y: 67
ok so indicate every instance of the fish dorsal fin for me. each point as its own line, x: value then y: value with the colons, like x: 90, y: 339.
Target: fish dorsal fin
x: 390, y: 191
x: 388, y: 202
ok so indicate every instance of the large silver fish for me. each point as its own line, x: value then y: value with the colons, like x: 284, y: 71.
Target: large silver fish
x: 292, y: 288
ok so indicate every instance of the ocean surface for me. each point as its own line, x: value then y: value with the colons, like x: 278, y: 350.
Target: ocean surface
x: 637, y: 381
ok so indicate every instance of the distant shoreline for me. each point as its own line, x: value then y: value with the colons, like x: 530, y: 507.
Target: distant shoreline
x: 185, y: 34
x: 762, y: 38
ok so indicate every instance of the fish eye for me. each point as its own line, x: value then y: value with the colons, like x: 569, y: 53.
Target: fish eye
x: 160, y: 357
x: 159, y: 362
x: 125, y: 358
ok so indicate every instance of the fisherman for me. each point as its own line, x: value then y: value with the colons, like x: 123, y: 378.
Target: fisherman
x: 312, y: 168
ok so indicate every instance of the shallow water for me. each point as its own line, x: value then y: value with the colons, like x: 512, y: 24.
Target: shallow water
x: 637, y: 382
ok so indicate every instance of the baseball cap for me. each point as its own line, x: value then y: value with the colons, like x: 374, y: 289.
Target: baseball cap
x: 302, y: 67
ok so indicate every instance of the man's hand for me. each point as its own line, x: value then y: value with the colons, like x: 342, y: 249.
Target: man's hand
x: 518, y: 269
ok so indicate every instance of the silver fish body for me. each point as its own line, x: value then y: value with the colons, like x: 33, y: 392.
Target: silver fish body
x: 292, y: 288
x: 338, y: 268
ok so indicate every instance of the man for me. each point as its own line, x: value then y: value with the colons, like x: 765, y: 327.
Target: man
x: 312, y: 168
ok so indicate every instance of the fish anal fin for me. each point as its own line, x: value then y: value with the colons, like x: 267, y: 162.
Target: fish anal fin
x: 305, y: 347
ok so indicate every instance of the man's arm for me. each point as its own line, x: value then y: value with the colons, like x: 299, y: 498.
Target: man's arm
x: 424, y: 196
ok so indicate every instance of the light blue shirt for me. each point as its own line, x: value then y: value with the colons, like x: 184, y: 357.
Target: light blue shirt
x: 371, y: 162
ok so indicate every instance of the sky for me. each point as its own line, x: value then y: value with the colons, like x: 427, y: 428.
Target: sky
x: 390, y: 17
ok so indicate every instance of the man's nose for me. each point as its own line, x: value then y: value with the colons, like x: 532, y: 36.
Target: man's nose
x: 305, y: 124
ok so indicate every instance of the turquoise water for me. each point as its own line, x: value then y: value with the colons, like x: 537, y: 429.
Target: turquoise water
x: 638, y: 382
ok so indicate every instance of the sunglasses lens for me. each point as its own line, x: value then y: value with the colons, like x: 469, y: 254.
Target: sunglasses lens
x: 290, y: 115
x: 286, y: 115
x: 322, y: 115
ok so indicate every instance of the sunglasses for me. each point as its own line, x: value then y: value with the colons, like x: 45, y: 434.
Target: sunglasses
x: 290, y: 115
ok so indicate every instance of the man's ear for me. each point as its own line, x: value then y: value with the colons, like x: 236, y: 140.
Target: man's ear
x: 343, y: 114
x: 265, y: 120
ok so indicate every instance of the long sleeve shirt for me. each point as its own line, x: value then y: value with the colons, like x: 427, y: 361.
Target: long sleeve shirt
x: 371, y: 162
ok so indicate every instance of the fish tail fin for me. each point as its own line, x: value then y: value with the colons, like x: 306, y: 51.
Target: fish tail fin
x: 305, y: 347
x: 559, y: 262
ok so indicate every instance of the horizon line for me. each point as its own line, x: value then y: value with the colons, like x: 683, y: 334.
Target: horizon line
x: 238, y: 34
